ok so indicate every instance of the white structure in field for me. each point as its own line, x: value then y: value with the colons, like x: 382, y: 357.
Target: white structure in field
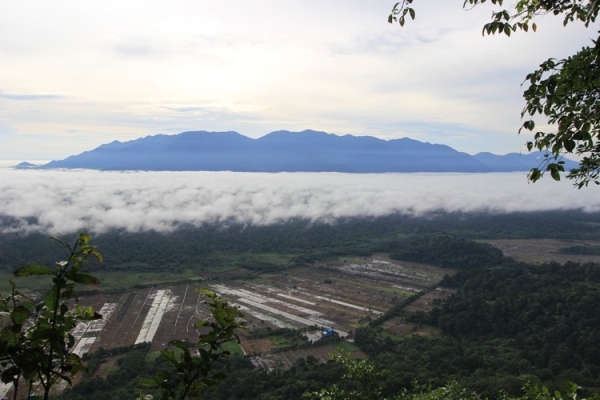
x: 159, y: 306
x: 86, y: 333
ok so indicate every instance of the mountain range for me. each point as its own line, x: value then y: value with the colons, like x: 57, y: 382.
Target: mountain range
x: 284, y: 151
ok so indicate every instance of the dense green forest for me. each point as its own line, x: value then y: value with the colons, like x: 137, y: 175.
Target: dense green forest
x: 297, y: 242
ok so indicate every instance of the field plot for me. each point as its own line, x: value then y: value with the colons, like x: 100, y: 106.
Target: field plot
x: 342, y: 295
x: 543, y: 250
x: 426, y: 302
x: 86, y: 333
x: 124, y: 328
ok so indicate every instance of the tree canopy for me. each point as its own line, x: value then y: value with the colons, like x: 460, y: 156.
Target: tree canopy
x: 565, y: 92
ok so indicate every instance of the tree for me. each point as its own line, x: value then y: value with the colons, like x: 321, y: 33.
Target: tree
x: 36, y: 345
x: 565, y: 92
x: 368, y: 377
x: 189, y: 375
x: 362, y: 372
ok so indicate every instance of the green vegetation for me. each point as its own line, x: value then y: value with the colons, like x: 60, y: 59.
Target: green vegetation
x: 37, y: 344
x: 508, y: 324
x: 187, y: 374
x: 347, y: 347
x: 367, y: 386
x: 585, y: 250
x: 233, y: 348
x: 445, y: 251
x: 121, y: 384
x: 564, y: 92
x: 227, y: 253
x: 503, y: 323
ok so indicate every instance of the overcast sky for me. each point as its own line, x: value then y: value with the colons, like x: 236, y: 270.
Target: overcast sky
x: 76, y: 74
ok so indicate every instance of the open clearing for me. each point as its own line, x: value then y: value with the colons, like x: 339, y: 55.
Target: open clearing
x: 342, y: 295
x: 543, y: 250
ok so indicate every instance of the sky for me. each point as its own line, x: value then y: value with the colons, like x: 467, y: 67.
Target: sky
x: 59, y: 202
x: 76, y: 74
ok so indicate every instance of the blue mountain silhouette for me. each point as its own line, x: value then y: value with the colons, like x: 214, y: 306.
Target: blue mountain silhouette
x: 284, y: 151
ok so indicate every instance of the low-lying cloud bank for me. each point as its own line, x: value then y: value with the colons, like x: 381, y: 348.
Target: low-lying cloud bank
x: 59, y: 202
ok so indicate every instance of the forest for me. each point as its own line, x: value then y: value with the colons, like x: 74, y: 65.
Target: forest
x: 300, y: 241
x: 508, y: 323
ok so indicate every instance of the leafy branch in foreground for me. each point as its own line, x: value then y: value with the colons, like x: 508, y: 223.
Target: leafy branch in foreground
x: 36, y: 344
x: 565, y: 92
x: 361, y: 373
x: 190, y: 374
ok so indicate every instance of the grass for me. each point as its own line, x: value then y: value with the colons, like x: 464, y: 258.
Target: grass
x: 280, y: 341
x: 395, y: 338
x: 151, y: 357
x: 283, y: 342
x: 233, y: 347
x: 130, y: 278
x: 25, y: 284
x: 347, y: 346
x: 109, y: 281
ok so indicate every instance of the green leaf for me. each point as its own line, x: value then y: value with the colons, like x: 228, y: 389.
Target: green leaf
x: 220, y: 316
x: 535, y: 175
x: 180, y: 345
x: 148, y: 382
x: 50, y: 298
x: 84, y: 239
x: 62, y: 242
x: 33, y: 270
x: 20, y: 315
x: 84, y: 279
x: 569, y: 145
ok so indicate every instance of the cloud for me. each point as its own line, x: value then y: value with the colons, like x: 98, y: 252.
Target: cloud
x: 141, y: 46
x: 22, y: 96
x: 59, y: 202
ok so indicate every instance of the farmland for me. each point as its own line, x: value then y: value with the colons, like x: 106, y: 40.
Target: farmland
x: 543, y: 250
x: 342, y: 294
x: 285, y: 311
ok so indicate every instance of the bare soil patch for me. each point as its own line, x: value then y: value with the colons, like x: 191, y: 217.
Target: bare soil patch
x: 543, y: 250
x: 256, y: 346
x: 426, y: 302
x: 342, y: 294
x: 107, y: 366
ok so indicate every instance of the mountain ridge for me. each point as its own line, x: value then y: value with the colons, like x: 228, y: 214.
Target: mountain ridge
x: 286, y: 151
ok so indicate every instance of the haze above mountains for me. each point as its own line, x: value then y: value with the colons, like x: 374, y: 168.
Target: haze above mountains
x: 284, y: 151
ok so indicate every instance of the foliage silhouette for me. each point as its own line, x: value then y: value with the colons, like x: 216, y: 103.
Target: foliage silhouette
x: 565, y: 92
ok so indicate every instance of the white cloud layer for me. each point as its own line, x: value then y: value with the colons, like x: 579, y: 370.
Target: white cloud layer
x: 70, y: 201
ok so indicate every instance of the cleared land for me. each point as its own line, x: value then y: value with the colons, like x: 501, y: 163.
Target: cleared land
x: 543, y: 250
x: 343, y: 294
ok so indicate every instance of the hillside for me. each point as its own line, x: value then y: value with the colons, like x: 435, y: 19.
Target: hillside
x: 283, y: 151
